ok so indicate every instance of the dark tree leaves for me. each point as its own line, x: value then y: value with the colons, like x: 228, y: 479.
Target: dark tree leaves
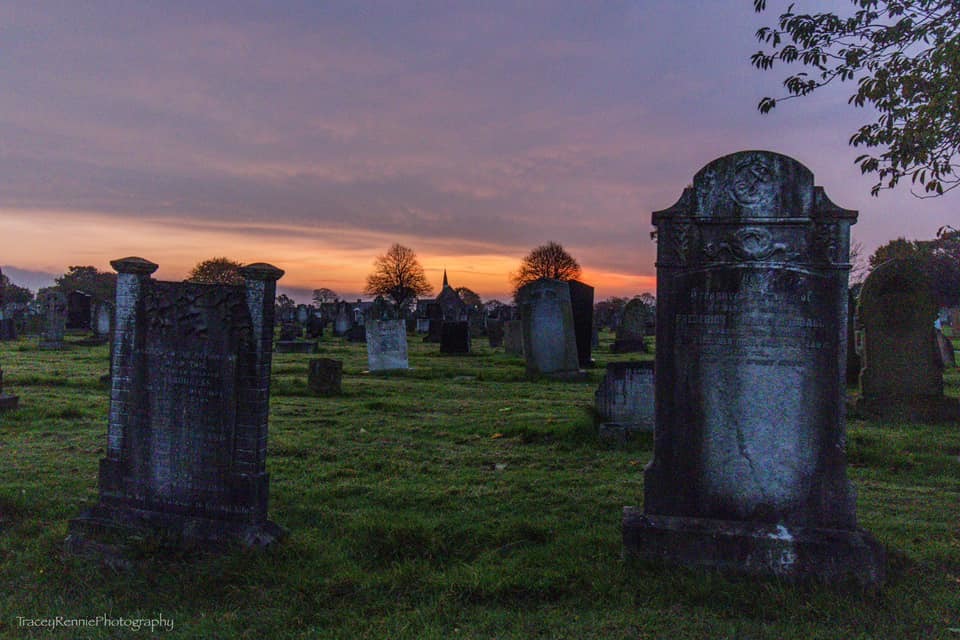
x: 905, y: 58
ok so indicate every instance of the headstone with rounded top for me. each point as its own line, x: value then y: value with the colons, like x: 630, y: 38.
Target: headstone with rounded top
x: 902, y: 371
x: 749, y: 467
x: 546, y: 317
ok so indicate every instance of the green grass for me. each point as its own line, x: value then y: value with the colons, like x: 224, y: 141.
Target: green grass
x: 453, y: 500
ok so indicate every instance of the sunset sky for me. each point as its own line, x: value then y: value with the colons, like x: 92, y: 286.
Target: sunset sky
x: 312, y: 135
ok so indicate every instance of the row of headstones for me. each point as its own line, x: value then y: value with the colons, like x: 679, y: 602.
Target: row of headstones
x: 749, y: 467
x: 59, y: 313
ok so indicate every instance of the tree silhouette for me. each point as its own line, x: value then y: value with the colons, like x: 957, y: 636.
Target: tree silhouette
x: 397, y: 274
x: 216, y: 271
x: 905, y: 57
x: 549, y: 260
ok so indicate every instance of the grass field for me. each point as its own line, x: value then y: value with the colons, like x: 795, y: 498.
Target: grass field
x: 453, y: 500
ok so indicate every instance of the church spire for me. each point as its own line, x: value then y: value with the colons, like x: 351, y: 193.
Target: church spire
x: 445, y: 283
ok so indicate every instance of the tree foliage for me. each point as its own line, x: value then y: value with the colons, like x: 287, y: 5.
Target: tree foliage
x: 397, y: 274
x: 216, y: 271
x: 905, y: 58
x: 549, y: 260
x: 470, y: 298
x: 10, y: 292
x: 100, y: 285
x: 940, y: 258
x: 324, y: 294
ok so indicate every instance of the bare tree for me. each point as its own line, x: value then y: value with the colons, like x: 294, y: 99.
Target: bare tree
x: 216, y: 271
x: 398, y: 275
x: 549, y: 260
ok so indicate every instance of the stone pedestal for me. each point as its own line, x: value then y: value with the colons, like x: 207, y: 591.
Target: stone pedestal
x: 749, y: 466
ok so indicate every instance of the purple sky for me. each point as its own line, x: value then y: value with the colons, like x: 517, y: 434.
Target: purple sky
x: 312, y: 134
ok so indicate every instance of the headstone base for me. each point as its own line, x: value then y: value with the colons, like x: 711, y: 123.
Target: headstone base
x: 295, y: 346
x: 929, y: 409
x: 9, y: 402
x: 119, y: 528
x: 755, y: 548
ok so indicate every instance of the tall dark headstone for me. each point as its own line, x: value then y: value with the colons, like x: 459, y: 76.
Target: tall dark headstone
x: 902, y: 371
x: 325, y: 376
x: 631, y: 330
x: 495, y: 333
x: 947, y: 355
x: 581, y: 303
x: 79, y: 310
x: 749, y: 466
x: 455, y: 337
x: 189, y: 405
x: 513, y: 337
x: 549, y: 343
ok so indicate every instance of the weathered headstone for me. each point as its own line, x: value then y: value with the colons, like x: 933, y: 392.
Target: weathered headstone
x: 630, y: 331
x: 386, y: 335
x: 549, y: 344
x: 749, y: 467
x: 455, y: 337
x: 945, y: 346
x: 7, y: 401
x: 295, y: 346
x: 495, y: 333
x: 581, y: 303
x: 434, y: 322
x: 79, y: 310
x: 343, y: 321
x: 513, y: 337
x: 303, y: 314
x: 103, y: 323
x: 189, y: 406
x: 902, y: 371
x: 624, y: 400
x: 314, y: 326
x: 853, y: 357
x: 325, y: 376
x: 53, y: 310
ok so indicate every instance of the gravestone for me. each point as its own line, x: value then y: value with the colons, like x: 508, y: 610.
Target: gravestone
x: 945, y: 346
x: 79, y: 310
x: 631, y: 330
x: 356, y: 333
x: 325, y: 376
x: 189, y: 407
x: 103, y: 322
x: 853, y: 356
x: 343, y: 321
x: 314, y: 326
x: 581, y: 303
x: 455, y: 337
x: 495, y: 333
x: 549, y: 344
x: 53, y: 311
x: 303, y: 314
x: 902, y: 372
x: 295, y: 346
x: 749, y: 467
x: 513, y: 338
x: 434, y: 322
x: 386, y: 336
x: 624, y: 400
x: 7, y: 401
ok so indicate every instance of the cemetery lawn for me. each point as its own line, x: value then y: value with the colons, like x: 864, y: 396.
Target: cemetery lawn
x: 453, y: 500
